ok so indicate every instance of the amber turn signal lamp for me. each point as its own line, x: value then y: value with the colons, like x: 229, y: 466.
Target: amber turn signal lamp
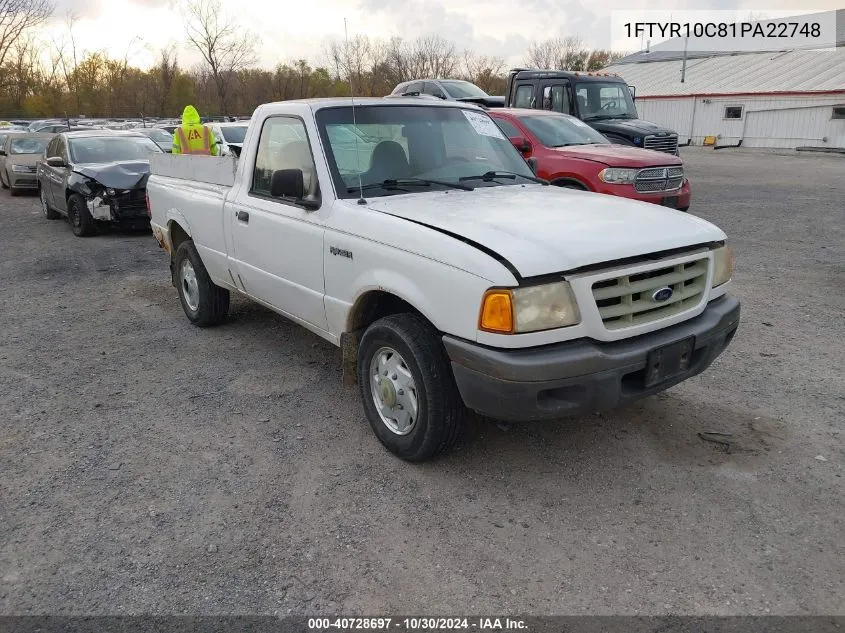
x: 497, y: 312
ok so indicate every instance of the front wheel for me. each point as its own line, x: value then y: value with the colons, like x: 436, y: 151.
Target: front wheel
x: 81, y: 222
x: 204, y: 302
x: 407, y: 388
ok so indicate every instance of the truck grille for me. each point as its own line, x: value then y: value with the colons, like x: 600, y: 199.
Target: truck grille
x: 659, y: 179
x: 668, y: 144
x: 629, y: 300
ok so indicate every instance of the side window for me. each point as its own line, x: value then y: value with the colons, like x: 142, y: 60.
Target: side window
x: 51, y: 148
x: 522, y: 99
x: 283, y: 145
x: 560, y: 98
x: 508, y: 128
x: 581, y: 95
x: 417, y: 86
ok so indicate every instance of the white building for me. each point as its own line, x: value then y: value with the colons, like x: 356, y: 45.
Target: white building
x: 781, y: 99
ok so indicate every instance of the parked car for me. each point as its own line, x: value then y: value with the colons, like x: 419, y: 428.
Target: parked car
x: 448, y: 283
x: 94, y: 177
x: 18, y: 157
x: 604, y: 101
x: 5, y: 133
x: 448, y: 90
x: 229, y: 137
x: 160, y: 136
x: 35, y: 125
x: 571, y: 154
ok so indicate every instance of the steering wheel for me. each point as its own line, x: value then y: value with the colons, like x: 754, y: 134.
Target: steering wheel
x: 610, y: 105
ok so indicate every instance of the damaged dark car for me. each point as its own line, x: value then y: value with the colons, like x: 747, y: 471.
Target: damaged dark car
x: 96, y: 178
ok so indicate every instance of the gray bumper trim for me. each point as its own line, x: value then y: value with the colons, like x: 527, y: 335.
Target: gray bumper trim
x: 583, y: 375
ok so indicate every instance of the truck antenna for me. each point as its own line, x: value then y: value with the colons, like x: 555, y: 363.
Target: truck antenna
x: 354, y: 121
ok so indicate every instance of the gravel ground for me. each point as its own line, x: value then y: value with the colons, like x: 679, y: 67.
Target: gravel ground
x: 152, y: 467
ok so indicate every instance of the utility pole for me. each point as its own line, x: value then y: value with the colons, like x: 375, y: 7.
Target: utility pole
x: 684, y: 64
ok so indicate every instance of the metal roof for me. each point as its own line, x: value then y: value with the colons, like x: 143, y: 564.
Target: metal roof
x: 659, y: 52
x: 791, y: 71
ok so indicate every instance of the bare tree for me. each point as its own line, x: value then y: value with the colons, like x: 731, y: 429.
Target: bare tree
x: 18, y: 16
x: 544, y: 54
x: 482, y: 70
x: 225, y: 48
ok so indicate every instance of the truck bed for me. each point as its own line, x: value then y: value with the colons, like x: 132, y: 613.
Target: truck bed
x: 215, y: 170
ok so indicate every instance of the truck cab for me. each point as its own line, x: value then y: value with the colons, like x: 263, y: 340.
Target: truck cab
x: 602, y: 100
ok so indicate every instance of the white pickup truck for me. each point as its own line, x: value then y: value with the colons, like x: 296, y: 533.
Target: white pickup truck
x: 414, y: 236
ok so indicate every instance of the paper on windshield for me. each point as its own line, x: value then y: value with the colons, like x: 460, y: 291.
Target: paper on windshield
x: 483, y: 124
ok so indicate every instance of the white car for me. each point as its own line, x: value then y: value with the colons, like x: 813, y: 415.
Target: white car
x: 451, y: 277
x: 229, y: 137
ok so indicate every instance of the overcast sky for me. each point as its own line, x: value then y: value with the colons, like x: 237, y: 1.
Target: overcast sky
x: 290, y: 29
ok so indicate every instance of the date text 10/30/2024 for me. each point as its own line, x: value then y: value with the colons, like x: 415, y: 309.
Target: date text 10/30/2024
x: 417, y: 624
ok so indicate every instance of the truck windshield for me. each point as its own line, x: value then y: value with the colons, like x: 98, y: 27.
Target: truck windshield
x: 390, y: 143
x: 562, y: 130
x: 605, y: 100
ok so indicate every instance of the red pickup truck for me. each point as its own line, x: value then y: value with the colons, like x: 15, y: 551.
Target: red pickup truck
x: 571, y: 154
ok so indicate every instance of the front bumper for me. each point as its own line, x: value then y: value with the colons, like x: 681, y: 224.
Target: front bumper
x: 23, y: 181
x: 677, y: 199
x: 583, y: 375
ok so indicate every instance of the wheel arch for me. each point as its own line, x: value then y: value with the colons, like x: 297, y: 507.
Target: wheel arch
x: 566, y: 181
x: 369, y: 306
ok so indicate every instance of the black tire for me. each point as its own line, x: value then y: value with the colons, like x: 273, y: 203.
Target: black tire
x: 441, y: 414
x: 14, y: 192
x: 49, y: 212
x: 3, y: 180
x: 212, y: 301
x: 79, y: 217
x: 683, y: 208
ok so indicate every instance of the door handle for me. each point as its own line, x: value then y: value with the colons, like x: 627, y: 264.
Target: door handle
x: 243, y: 216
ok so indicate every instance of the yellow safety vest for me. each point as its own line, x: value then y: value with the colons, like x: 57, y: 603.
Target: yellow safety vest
x: 197, y: 141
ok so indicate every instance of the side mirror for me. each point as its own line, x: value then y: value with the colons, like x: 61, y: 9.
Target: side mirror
x: 633, y: 90
x: 521, y: 143
x: 56, y: 161
x: 532, y: 164
x: 287, y: 183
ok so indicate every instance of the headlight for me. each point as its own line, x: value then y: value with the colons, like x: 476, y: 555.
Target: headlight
x: 618, y: 175
x: 529, y: 309
x: 723, y: 265
x: 21, y: 169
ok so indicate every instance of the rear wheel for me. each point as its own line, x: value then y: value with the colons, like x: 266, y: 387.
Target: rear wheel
x: 204, y: 302
x: 49, y: 212
x: 407, y: 388
x: 3, y: 180
x: 81, y: 222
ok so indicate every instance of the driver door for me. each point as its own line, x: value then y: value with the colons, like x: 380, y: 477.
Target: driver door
x: 277, y: 243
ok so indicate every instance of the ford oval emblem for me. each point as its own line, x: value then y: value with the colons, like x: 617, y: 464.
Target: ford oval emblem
x: 662, y: 294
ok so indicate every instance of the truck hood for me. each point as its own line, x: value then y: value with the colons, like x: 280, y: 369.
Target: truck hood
x: 628, y: 126
x: 619, y: 155
x: 545, y: 229
x: 120, y: 175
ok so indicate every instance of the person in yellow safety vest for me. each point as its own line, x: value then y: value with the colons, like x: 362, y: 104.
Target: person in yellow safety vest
x: 192, y: 137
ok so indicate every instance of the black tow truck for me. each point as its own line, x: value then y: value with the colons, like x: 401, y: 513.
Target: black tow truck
x: 604, y: 101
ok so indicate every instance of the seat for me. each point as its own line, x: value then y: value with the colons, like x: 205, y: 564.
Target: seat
x: 387, y: 162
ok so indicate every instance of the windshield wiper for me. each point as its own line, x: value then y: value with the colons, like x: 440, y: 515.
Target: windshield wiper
x: 398, y: 183
x: 491, y: 176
